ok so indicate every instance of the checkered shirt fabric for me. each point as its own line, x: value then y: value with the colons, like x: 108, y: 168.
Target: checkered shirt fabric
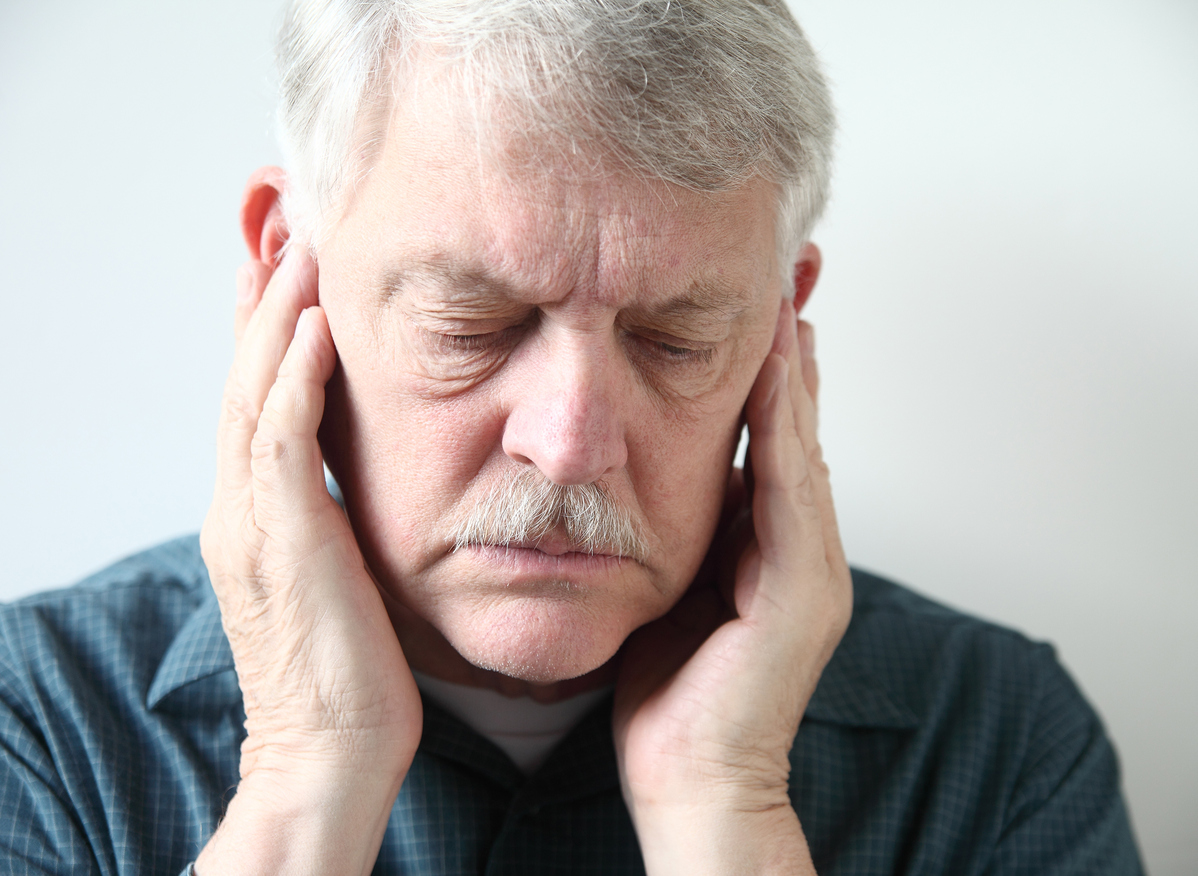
x: 935, y: 743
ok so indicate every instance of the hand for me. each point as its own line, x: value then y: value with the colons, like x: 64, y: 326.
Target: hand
x: 333, y: 716
x: 710, y: 697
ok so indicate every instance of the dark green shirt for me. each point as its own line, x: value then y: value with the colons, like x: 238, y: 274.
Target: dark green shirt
x: 935, y: 743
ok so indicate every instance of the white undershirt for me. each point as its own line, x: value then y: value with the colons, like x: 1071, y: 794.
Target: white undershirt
x: 525, y: 730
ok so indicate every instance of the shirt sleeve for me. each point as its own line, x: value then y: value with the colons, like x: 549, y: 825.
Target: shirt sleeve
x: 40, y: 834
x: 1066, y: 814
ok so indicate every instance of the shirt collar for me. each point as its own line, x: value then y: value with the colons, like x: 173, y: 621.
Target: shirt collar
x: 199, y: 651
x: 584, y: 763
x: 847, y: 693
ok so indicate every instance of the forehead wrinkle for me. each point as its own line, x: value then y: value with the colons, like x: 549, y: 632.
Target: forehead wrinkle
x: 704, y: 299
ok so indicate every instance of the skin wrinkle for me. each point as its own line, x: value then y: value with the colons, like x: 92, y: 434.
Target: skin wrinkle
x: 473, y: 290
x: 766, y: 114
x: 472, y: 300
x: 447, y: 372
x: 584, y: 400
x: 597, y: 271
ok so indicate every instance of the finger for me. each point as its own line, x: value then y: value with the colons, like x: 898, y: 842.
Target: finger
x: 780, y: 344
x: 287, y: 465
x: 252, y: 278
x: 787, y: 345
x: 807, y: 361
x: 264, y: 343
x: 785, y: 513
x: 803, y: 373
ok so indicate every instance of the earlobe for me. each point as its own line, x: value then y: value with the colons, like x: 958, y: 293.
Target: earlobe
x: 807, y: 269
x: 262, y: 222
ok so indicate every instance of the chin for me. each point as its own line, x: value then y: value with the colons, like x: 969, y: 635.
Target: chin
x: 540, y: 641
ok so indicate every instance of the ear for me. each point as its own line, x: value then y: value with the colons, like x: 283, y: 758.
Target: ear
x: 262, y: 223
x: 806, y: 273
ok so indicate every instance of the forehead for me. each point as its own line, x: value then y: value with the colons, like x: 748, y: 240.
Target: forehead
x: 454, y: 199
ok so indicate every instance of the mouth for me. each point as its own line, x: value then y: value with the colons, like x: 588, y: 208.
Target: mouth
x: 550, y: 554
x: 555, y: 544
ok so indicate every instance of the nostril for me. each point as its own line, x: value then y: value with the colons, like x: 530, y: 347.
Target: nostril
x: 520, y: 458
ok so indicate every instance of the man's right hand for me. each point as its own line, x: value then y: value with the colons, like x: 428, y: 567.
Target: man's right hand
x: 333, y: 716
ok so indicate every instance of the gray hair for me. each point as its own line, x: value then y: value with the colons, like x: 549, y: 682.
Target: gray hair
x: 706, y: 94
x: 522, y: 509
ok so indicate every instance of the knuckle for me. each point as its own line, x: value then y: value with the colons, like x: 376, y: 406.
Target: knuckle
x: 208, y: 543
x: 816, y: 464
x: 268, y: 449
x: 277, y: 450
x: 214, y: 542
x: 237, y: 411
x: 226, y: 546
x: 802, y: 490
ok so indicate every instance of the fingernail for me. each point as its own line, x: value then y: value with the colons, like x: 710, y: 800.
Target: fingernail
x: 244, y: 283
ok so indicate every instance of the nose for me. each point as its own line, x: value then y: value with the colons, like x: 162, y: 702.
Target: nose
x: 564, y: 416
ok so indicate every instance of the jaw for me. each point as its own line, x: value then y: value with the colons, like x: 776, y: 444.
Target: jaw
x: 540, y: 647
x: 537, y: 625
x: 540, y: 640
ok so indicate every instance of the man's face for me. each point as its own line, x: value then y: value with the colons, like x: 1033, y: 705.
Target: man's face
x: 494, y: 317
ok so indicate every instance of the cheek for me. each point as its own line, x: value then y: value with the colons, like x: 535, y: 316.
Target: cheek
x: 411, y: 447
x: 680, y: 472
x: 403, y: 460
x: 396, y: 423
x: 680, y: 459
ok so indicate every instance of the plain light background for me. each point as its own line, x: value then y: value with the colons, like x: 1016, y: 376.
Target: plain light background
x: 1006, y: 324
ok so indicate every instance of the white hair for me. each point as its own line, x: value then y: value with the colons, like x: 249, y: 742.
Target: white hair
x: 706, y: 94
x: 526, y: 507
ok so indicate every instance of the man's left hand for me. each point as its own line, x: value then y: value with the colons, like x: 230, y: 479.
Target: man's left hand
x: 710, y: 697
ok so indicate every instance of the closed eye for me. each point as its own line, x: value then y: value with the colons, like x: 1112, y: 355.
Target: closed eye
x: 685, y: 353
x: 468, y: 342
x: 672, y: 351
x: 482, y: 342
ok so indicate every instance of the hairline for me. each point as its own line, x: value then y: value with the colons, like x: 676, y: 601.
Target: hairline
x: 377, y: 122
x: 332, y: 129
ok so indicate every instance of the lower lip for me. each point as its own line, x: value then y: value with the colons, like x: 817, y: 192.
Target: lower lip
x: 533, y: 561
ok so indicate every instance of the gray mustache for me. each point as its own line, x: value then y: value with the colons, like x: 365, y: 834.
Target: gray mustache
x: 526, y: 507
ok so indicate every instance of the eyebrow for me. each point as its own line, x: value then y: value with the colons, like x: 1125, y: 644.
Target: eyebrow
x: 705, y: 298
x: 466, y: 282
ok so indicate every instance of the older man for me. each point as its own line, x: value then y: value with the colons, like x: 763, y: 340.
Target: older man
x: 533, y: 268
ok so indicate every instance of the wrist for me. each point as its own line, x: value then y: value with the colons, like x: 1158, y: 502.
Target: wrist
x: 704, y: 840
x: 314, y: 818
x: 326, y: 757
